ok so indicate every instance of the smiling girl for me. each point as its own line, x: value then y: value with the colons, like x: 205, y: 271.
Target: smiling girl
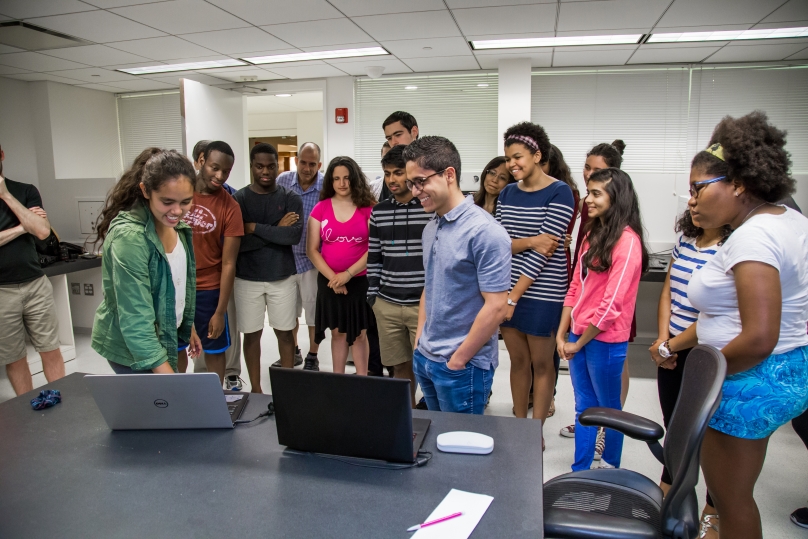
x: 148, y: 270
x: 600, y: 304
x: 493, y: 180
x: 337, y: 245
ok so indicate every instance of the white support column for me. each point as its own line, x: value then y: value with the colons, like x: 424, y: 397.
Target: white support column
x: 514, y: 94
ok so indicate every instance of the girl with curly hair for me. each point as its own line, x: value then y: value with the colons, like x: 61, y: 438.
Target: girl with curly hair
x: 337, y: 245
x: 752, y: 299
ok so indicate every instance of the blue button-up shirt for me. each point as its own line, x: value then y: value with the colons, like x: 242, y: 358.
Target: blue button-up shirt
x: 310, y: 196
x: 466, y: 252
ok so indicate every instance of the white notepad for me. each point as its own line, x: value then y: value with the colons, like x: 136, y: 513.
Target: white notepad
x: 473, y: 507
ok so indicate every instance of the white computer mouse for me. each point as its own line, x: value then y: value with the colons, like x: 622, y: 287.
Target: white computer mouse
x: 465, y: 442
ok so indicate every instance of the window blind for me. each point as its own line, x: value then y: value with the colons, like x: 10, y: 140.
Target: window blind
x: 452, y: 106
x: 149, y: 120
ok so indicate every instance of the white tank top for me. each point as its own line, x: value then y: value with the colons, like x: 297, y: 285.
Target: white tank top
x: 179, y: 274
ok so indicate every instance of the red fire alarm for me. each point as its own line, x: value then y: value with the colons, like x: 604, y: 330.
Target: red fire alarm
x: 342, y: 116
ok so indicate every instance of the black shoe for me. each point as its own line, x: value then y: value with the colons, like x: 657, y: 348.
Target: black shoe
x: 488, y: 400
x: 312, y: 363
x: 421, y: 405
x: 800, y: 517
x: 298, y: 361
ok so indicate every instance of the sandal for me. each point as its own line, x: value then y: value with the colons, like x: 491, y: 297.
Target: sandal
x: 709, y: 526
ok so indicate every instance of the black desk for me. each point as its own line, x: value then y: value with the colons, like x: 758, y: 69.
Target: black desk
x: 63, y: 473
x: 654, y: 276
x: 79, y: 264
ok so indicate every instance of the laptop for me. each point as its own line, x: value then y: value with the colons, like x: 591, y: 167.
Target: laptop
x: 174, y: 401
x: 344, y: 414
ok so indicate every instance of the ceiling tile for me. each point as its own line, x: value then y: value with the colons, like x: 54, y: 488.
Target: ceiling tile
x: 491, y: 61
x: 409, y: 25
x: 95, y: 55
x: 364, y: 44
x: 262, y: 12
x: 605, y: 31
x: 238, y: 41
x: 142, y: 85
x: 454, y: 4
x: 700, y: 13
x: 308, y: 72
x: 358, y: 66
x: 162, y: 48
x: 33, y: 61
x: 616, y: 14
x: 787, y: 24
x: 107, y: 4
x: 355, y: 8
x: 235, y: 74
x: 6, y: 70
x: 794, y: 10
x: 477, y: 37
x: 649, y: 54
x: 98, y: 26
x: 596, y: 48
x: 25, y: 9
x: 506, y: 19
x: 198, y: 77
x: 316, y: 33
x: 754, y: 53
x: 448, y: 63
x: 101, y: 87
x: 33, y: 77
x: 95, y: 75
x: 802, y: 55
x: 4, y: 49
x: 590, y: 58
x: 182, y: 16
x: 425, y: 48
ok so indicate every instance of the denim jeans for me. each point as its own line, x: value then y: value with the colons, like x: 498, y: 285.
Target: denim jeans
x: 596, y: 372
x: 445, y: 390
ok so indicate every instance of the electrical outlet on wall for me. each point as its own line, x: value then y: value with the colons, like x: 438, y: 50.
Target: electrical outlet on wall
x: 75, y: 288
x: 89, y: 210
x: 88, y: 289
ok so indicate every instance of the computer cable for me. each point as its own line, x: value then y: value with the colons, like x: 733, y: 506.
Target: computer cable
x: 270, y: 411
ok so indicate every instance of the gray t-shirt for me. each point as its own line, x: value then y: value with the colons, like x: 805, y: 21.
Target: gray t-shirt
x: 466, y: 252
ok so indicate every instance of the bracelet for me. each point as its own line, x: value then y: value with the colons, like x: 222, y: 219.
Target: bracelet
x: 348, y: 271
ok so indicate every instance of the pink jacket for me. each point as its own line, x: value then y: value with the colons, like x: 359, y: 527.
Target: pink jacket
x: 607, y: 299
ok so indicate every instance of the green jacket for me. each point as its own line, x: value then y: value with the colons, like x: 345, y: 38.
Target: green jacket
x: 136, y: 324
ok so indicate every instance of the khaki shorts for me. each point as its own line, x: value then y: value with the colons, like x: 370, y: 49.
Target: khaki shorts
x: 27, y: 308
x: 307, y: 294
x: 276, y: 299
x: 397, y: 326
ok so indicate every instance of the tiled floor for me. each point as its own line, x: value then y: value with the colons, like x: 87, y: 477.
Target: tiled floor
x: 782, y: 487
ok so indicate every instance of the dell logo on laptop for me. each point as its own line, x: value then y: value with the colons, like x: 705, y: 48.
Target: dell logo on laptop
x: 160, y: 403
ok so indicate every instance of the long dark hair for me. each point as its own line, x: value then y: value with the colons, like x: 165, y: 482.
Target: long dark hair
x: 688, y: 229
x: 479, y: 196
x: 557, y: 168
x: 360, y: 191
x: 604, y: 233
x: 611, y: 153
x: 153, y: 167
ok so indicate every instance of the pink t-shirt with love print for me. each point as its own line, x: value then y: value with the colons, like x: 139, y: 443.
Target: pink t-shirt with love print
x: 342, y: 244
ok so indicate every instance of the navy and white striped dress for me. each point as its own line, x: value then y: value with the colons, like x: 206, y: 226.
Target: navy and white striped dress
x: 687, y: 259
x: 524, y: 214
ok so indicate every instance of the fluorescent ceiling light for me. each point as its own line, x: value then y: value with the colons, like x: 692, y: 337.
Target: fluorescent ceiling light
x: 562, y: 41
x: 319, y: 55
x: 729, y: 35
x: 229, y: 62
x: 283, y: 95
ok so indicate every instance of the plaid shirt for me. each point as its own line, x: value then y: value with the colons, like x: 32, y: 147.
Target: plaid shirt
x: 310, y: 198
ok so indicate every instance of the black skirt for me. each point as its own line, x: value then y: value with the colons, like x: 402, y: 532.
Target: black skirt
x: 347, y: 313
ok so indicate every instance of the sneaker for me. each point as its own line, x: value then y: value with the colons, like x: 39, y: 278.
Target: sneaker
x: 488, y: 400
x: 799, y: 517
x: 233, y: 383
x: 600, y: 444
x: 605, y: 465
x: 708, y: 528
x: 568, y: 431
x: 421, y: 405
x: 312, y: 363
x: 298, y: 361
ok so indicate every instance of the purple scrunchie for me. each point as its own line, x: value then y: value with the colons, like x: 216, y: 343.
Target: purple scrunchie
x: 46, y: 399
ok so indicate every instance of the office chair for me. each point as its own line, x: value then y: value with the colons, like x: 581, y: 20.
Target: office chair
x: 617, y: 503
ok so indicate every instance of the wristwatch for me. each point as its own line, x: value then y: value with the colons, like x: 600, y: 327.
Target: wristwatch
x: 665, y: 350
x: 511, y: 302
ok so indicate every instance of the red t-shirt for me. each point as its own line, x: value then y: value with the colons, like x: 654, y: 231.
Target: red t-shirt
x: 212, y: 217
x: 342, y: 244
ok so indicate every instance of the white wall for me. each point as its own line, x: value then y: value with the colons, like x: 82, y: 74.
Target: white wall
x: 339, y: 137
x: 17, y: 132
x: 310, y: 127
x: 274, y: 124
x: 514, y: 94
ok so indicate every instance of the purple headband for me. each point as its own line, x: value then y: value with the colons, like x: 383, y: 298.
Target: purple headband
x: 527, y: 141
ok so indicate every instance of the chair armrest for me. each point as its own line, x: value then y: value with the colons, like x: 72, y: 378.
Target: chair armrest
x: 631, y: 425
x: 571, y: 524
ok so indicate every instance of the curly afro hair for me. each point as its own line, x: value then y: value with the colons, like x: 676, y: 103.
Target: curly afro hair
x: 755, y: 153
x: 534, y: 131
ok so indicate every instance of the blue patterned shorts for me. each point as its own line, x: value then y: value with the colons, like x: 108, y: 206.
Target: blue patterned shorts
x: 756, y: 402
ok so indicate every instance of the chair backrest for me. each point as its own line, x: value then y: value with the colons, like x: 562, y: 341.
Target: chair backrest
x: 699, y: 397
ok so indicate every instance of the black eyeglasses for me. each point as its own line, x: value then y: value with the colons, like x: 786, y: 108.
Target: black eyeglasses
x: 696, y: 187
x: 419, y: 182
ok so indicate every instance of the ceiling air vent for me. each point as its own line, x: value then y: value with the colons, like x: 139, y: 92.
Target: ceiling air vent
x: 34, y: 38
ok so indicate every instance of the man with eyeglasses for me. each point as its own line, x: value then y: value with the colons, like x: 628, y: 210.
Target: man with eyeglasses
x: 467, y: 267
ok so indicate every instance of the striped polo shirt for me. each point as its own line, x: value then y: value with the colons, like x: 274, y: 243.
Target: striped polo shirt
x: 687, y: 259
x: 525, y: 214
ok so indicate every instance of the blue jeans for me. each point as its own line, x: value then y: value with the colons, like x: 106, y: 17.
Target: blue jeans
x: 445, y: 390
x: 596, y: 372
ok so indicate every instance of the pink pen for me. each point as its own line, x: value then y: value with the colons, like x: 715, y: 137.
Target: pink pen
x: 436, y: 521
